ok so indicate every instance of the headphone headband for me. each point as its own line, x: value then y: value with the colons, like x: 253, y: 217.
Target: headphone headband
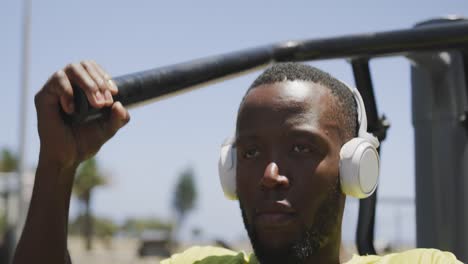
x: 362, y: 118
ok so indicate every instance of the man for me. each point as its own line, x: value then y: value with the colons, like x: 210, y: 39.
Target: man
x: 291, y: 126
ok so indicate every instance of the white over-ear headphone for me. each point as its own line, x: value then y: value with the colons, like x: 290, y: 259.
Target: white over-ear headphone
x: 359, y: 160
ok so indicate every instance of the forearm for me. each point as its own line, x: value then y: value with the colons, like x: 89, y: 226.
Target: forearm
x: 44, y: 237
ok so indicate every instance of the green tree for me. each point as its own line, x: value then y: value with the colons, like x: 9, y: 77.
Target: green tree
x: 87, y: 179
x: 8, y: 162
x: 185, y: 195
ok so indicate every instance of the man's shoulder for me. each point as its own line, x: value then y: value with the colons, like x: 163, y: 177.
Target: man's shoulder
x: 420, y: 255
x: 209, y: 255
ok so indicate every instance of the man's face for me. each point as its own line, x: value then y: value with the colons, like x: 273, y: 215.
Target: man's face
x: 287, y: 172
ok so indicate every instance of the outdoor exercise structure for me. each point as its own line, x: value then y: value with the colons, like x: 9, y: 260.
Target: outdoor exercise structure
x: 438, y: 51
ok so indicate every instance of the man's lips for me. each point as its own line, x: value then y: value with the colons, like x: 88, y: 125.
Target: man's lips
x: 275, y: 214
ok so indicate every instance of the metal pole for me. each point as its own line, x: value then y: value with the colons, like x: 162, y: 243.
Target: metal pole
x: 24, y: 80
x: 441, y: 149
x: 16, y: 220
x: 367, y: 207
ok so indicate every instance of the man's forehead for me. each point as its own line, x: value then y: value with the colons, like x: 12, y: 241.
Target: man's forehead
x: 290, y: 93
x: 301, y: 100
x: 284, y: 105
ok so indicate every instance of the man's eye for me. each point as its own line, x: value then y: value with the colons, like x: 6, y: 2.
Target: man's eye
x: 301, y: 148
x: 251, y: 153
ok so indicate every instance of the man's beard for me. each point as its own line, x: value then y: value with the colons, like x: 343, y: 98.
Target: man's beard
x: 309, y: 243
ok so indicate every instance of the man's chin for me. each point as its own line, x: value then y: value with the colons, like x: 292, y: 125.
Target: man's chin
x: 272, y: 254
x: 274, y: 239
x: 281, y: 249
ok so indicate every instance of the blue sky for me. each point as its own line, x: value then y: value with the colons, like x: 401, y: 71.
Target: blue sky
x: 162, y: 139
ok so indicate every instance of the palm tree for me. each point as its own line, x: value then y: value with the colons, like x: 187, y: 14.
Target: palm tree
x: 87, y: 179
x: 185, y: 195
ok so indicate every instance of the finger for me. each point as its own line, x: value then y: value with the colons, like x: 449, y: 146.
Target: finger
x: 99, y: 131
x: 77, y: 74
x: 107, y: 77
x: 99, y: 78
x: 57, y: 89
x: 114, y: 90
x: 65, y: 90
x: 119, y: 117
x: 56, y: 94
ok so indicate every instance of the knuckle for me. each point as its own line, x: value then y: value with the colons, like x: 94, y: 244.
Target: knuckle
x: 93, y: 86
x: 86, y: 64
x: 68, y: 66
x: 72, y: 67
x: 58, y: 75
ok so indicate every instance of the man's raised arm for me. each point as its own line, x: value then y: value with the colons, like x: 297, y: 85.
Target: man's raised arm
x: 62, y: 148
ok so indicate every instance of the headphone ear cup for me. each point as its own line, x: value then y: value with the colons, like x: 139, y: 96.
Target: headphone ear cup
x: 227, y: 171
x: 359, y: 168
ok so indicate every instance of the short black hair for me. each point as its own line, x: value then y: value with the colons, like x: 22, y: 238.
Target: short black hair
x: 291, y: 71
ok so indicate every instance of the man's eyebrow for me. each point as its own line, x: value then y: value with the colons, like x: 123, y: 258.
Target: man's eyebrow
x: 313, y: 135
x: 244, y: 137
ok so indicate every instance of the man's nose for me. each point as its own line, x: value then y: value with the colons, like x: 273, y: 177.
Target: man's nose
x: 271, y: 177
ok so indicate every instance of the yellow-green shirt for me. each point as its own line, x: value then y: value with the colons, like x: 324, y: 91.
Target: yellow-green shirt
x: 216, y: 255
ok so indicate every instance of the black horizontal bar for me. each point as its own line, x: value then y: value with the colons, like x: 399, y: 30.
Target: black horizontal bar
x: 143, y: 86
x: 431, y: 37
